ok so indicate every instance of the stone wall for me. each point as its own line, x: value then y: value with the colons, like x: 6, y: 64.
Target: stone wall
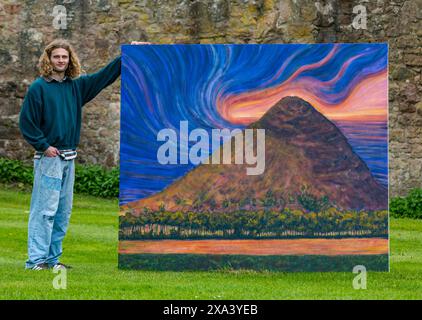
x: 96, y: 28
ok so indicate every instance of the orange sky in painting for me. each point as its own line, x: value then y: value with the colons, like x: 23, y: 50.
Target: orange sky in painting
x: 367, y: 101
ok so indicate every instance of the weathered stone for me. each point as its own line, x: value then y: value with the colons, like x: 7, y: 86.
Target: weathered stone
x: 418, y: 108
x: 401, y: 73
x: 417, y: 151
x: 413, y: 59
x: 407, y: 107
x: 397, y: 135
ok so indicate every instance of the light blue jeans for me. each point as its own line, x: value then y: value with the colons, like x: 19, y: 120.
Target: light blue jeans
x: 51, y: 207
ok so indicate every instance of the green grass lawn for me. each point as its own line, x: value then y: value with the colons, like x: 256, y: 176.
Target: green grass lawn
x: 91, y: 248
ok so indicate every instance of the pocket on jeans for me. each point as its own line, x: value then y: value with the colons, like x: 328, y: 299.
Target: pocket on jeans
x: 51, y: 173
x: 51, y: 183
x: 48, y: 196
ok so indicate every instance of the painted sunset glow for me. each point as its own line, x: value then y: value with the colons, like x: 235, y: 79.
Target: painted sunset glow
x: 232, y: 86
x: 363, y: 97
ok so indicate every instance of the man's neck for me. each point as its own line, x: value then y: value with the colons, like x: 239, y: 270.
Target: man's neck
x: 58, y: 76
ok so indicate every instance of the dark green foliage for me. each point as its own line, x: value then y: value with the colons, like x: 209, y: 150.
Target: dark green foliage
x: 89, y: 179
x: 259, y: 224
x: 269, y: 200
x: 312, y: 203
x: 184, y: 262
x: 12, y: 171
x: 409, y: 206
x: 179, y: 202
x: 97, y: 181
x: 162, y: 207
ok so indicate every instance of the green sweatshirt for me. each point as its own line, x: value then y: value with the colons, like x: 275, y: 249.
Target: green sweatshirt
x: 51, y: 112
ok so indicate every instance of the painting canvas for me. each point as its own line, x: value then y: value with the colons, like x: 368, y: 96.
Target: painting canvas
x: 259, y: 156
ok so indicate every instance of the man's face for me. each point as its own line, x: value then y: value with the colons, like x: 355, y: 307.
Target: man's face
x: 59, y: 59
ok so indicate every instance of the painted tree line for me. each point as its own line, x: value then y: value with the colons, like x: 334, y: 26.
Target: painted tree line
x: 240, y: 224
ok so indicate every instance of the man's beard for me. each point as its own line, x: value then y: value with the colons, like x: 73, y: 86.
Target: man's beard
x: 59, y: 71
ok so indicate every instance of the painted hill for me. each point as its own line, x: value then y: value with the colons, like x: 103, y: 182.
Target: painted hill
x: 306, y: 156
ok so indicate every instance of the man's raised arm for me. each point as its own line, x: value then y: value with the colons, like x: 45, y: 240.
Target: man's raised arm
x: 92, y: 84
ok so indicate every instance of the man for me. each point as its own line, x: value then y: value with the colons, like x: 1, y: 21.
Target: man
x: 50, y: 120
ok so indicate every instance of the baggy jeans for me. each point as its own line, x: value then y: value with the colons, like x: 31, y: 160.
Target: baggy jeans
x: 50, y: 210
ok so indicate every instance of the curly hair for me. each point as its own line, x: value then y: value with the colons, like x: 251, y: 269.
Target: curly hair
x: 44, y: 64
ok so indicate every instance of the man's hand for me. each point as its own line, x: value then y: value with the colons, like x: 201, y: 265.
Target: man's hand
x: 51, y: 152
x: 139, y: 42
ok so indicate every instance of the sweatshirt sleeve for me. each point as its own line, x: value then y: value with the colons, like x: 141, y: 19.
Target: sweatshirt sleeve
x: 92, y: 84
x: 30, y: 122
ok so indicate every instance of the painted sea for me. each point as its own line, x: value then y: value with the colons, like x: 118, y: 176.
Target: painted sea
x: 370, y: 141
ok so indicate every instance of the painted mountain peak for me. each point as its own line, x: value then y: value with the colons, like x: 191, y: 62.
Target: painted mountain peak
x: 309, y: 164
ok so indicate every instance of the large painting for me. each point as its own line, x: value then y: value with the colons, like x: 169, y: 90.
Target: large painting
x: 261, y: 156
